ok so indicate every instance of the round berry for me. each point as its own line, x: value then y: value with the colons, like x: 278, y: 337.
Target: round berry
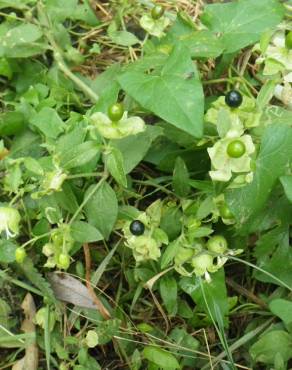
x: 116, y: 111
x: 137, y: 227
x: 157, y: 12
x: 20, y: 255
x: 217, y: 244
x: 64, y: 261
x: 236, y: 149
x: 233, y: 98
x: 288, y: 40
x: 225, y: 212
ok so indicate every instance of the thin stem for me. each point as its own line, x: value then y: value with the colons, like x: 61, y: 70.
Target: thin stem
x: 59, y: 59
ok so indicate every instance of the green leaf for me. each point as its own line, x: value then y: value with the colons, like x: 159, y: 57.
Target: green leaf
x: 66, y: 198
x: 83, y: 12
x: 180, y: 179
x: 283, y: 309
x: 102, y: 209
x: 183, y: 339
x: 11, y: 123
x: 270, y: 344
x: 274, y: 255
x: 170, y: 94
x: 48, y: 122
x: 79, y: 155
x: 83, y: 232
x: 5, y: 68
x: 33, y: 166
x: 123, y: 38
x: 242, y: 22
x: 163, y: 359
x: 37, y: 279
x: 21, y: 41
x: 202, y: 44
x: 286, y: 181
x: 7, y: 251
x: 168, y: 292
x: 135, y: 147
x: 215, y: 293
x: 274, y: 157
x: 114, y: 162
x: 266, y: 93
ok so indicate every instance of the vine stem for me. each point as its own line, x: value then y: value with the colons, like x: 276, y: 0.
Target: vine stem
x: 103, y: 311
x: 59, y: 58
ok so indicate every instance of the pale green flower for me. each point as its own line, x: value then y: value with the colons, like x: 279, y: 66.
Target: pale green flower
x: 245, y: 116
x: 223, y: 165
x: 154, y: 27
x: 9, y: 221
x: 117, y: 130
x: 144, y: 248
x: 284, y: 93
x: 277, y: 57
x: 53, y: 180
x: 147, y: 246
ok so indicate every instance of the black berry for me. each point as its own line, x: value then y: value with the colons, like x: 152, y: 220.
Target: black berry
x: 233, y: 98
x: 137, y: 227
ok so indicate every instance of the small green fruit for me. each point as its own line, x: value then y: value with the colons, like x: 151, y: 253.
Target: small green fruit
x: 236, y: 149
x: 20, y: 255
x: 115, y: 112
x: 225, y: 212
x: 64, y: 261
x: 217, y: 244
x: 157, y: 12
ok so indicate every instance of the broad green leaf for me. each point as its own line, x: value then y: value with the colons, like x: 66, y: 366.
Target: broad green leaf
x: 273, y: 159
x: 66, y: 198
x: 283, y: 309
x: 169, y: 93
x: 123, y: 38
x: 171, y: 223
x: 241, y: 23
x: 7, y: 251
x: 114, y: 162
x: 274, y: 255
x: 180, y: 179
x: 182, y: 339
x: 202, y: 44
x: 79, y: 155
x: 169, y: 254
x: 71, y: 139
x: 83, y: 232
x: 270, y: 344
x: 11, y: 123
x: 266, y: 93
x: 5, y: 68
x: 21, y: 41
x: 287, y: 185
x: 33, y: 166
x: 83, y: 12
x: 215, y: 293
x: 164, y: 359
x: 135, y: 147
x: 48, y: 122
x: 168, y: 292
x: 102, y: 209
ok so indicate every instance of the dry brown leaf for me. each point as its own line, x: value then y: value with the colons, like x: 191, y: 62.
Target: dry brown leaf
x: 69, y: 289
x: 30, y: 360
